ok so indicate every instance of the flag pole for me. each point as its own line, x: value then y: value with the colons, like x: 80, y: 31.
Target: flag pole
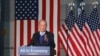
x: 95, y: 3
x: 82, y: 4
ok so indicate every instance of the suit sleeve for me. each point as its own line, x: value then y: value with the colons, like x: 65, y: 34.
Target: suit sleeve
x: 51, y: 41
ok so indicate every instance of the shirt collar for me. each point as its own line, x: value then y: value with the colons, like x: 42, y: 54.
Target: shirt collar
x: 42, y: 33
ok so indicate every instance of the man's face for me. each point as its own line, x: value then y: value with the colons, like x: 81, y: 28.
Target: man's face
x: 42, y: 26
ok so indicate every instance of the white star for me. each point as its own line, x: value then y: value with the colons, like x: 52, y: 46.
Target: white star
x: 32, y: 9
x: 35, y: 17
x: 25, y: 1
x: 28, y: 15
x: 23, y: 15
x: 33, y: 4
x: 23, y: 4
x: 35, y: 1
x: 30, y: 6
x: 20, y: 6
x: 28, y: 9
x: 25, y: 12
x: 16, y: 18
x: 23, y: 9
x: 20, y: 17
x: 16, y: 12
x: 21, y: 12
x: 30, y: 1
x: 16, y: 1
x: 16, y: 7
x: 30, y: 12
x: 35, y: 12
x: 20, y: 1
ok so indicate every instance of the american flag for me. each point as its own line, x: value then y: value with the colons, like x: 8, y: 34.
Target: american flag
x: 27, y: 15
x: 83, y: 36
x: 94, y: 24
x: 74, y: 37
x: 83, y: 26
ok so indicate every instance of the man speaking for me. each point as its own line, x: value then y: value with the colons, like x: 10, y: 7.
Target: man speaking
x: 43, y: 37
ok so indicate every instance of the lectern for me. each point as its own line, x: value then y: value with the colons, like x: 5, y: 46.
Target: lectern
x: 34, y: 51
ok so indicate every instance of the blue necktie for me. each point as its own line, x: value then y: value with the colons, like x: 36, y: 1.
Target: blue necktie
x: 41, y: 39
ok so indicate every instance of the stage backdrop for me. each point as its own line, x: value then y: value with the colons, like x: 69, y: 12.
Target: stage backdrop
x: 27, y: 15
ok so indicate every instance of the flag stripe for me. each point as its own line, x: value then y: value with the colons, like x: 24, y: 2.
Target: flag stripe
x: 65, y: 32
x: 29, y: 31
x: 32, y: 27
x: 55, y: 21
x: 90, y: 42
x: 80, y: 40
x: 36, y: 26
x: 17, y: 35
x: 76, y: 42
x: 44, y: 9
x: 96, y: 42
x: 51, y: 15
x: 40, y: 10
x: 48, y: 13
x: 73, y: 44
x: 62, y: 42
x: 25, y: 34
x: 87, y: 45
x: 15, y: 43
x: 58, y: 25
x: 21, y: 32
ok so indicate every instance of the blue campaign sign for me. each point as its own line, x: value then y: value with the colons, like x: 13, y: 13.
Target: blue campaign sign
x: 34, y: 50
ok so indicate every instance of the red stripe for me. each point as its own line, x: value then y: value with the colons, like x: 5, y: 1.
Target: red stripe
x: 51, y: 15
x: 21, y: 32
x: 63, y: 35
x: 63, y: 46
x: 89, y: 38
x: 28, y: 31
x: 98, y: 33
x: 81, y: 38
x: 44, y: 9
x: 36, y: 25
x: 58, y: 52
x: 87, y: 43
x: 96, y: 39
x: 73, y: 45
x: 76, y: 49
x: 15, y: 38
x: 58, y: 24
x: 94, y: 44
x: 67, y: 38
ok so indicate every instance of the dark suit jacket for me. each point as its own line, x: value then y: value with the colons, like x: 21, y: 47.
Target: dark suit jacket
x: 36, y: 42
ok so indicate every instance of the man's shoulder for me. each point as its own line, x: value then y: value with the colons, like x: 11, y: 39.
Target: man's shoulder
x: 36, y: 33
x: 50, y: 33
